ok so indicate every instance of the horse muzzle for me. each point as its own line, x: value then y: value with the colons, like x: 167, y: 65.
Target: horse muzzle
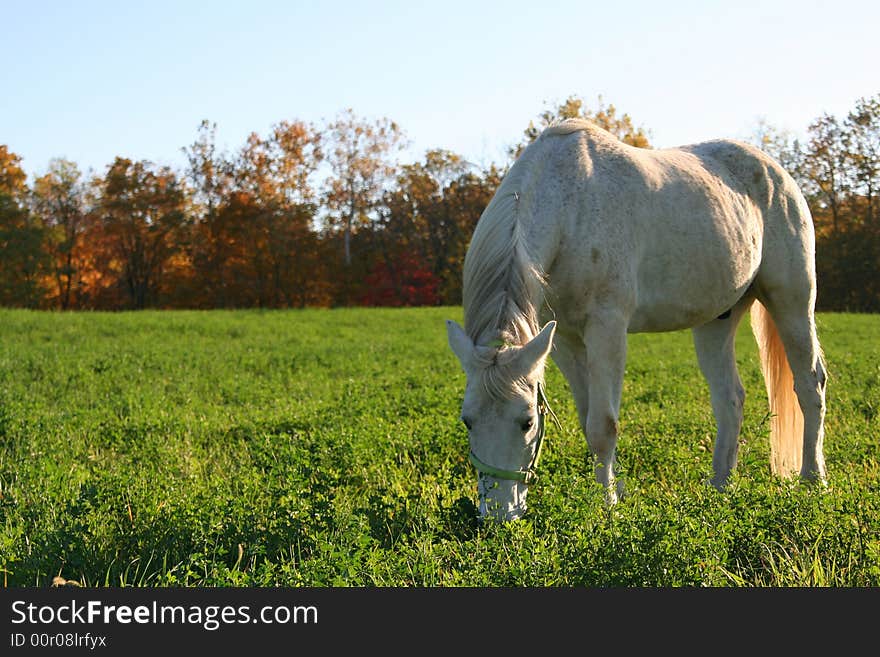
x: 501, y: 499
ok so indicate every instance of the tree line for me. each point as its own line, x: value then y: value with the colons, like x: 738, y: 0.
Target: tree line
x: 327, y: 215
x: 837, y: 166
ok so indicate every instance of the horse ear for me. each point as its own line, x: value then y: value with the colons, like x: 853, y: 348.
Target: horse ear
x: 460, y: 343
x: 533, y: 354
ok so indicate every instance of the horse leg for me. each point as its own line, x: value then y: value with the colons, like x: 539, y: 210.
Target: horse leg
x: 605, y: 337
x: 714, y: 343
x: 795, y: 322
x: 570, y: 357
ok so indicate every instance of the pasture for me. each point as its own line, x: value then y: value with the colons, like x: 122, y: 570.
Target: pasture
x: 323, y: 448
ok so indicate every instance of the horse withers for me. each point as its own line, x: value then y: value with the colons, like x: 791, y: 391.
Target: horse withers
x: 588, y: 239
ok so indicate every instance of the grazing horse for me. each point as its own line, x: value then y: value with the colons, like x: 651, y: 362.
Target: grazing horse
x: 588, y: 239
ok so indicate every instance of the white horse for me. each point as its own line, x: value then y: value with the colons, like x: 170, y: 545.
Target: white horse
x: 599, y: 239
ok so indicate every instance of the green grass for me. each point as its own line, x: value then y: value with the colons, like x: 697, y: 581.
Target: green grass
x: 322, y: 448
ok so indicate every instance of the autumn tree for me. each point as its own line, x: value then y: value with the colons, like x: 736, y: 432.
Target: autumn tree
x: 854, y: 253
x: 275, y: 203
x: 410, y: 233
x: 825, y: 166
x: 142, y: 214
x: 466, y: 197
x: 359, y: 154
x: 574, y: 107
x: 782, y: 145
x: 59, y: 200
x: 210, y: 178
x: 838, y: 170
x: 21, y: 238
x: 862, y: 137
x: 426, y: 221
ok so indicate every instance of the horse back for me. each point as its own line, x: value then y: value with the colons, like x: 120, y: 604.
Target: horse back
x: 757, y: 173
x: 672, y: 237
x: 788, y: 232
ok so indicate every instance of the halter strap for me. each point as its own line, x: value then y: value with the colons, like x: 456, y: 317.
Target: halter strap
x: 527, y: 476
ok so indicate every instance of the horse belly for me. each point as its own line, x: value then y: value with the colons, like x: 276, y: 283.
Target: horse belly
x: 691, y: 273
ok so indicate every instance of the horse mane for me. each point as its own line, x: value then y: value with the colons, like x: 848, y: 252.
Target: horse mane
x: 502, y: 284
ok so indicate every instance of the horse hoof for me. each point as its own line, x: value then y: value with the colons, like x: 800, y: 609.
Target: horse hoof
x: 815, y: 480
x: 718, y: 483
x: 614, y: 492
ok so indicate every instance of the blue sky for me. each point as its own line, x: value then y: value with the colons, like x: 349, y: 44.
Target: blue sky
x: 92, y: 80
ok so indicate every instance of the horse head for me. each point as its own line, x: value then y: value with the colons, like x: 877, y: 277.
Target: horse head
x: 503, y: 409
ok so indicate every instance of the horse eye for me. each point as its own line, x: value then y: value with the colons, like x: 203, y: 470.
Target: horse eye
x: 527, y: 424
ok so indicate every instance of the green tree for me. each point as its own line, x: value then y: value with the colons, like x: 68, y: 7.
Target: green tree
x: 22, y: 260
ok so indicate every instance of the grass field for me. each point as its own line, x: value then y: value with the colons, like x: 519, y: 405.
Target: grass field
x: 323, y: 448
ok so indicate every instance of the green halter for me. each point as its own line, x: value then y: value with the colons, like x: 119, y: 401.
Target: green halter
x: 527, y: 476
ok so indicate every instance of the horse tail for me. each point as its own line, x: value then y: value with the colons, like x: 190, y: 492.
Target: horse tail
x: 786, y: 417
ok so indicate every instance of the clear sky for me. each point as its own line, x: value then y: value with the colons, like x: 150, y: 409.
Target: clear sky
x: 90, y: 80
